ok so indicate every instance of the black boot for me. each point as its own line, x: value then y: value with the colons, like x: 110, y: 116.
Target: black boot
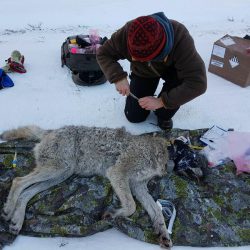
x: 165, y: 124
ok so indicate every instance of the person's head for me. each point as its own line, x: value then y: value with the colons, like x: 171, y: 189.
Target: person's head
x: 146, y: 38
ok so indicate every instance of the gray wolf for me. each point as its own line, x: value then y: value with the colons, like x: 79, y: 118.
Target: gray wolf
x: 128, y: 161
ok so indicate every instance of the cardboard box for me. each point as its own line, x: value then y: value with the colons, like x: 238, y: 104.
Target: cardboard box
x: 230, y: 59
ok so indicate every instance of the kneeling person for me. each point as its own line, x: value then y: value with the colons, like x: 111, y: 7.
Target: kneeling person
x: 157, y: 48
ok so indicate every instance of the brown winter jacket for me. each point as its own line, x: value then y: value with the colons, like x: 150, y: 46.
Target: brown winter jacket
x: 183, y: 58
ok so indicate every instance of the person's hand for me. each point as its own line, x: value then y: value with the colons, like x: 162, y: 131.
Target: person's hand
x: 122, y: 87
x: 150, y: 103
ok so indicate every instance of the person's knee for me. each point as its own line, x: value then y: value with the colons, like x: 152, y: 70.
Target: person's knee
x: 133, y: 112
x: 135, y: 117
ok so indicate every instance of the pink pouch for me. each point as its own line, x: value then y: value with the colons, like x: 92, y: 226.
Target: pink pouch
x: 239, y: 150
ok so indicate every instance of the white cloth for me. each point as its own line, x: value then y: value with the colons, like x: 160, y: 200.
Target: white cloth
x: 232, y: 145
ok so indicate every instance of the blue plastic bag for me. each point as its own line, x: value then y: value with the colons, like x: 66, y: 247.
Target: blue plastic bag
x: 5, y: 80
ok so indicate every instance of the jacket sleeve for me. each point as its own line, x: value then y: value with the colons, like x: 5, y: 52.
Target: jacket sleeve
x: 108, y: 55
x: 191, y: 72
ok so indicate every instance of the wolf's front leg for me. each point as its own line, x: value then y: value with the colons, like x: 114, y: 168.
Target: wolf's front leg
x: 140, y: 190
x: 121, y: 187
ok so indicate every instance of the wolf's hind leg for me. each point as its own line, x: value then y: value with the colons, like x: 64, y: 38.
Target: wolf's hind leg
x: 20, y: 183
x: 19, y: 213
x: 120, y: 184
x: 140, y: 191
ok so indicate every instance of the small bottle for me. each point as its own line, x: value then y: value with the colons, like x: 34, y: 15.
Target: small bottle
x: 14, y: 162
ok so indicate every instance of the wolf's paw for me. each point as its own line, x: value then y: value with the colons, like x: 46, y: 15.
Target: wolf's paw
x: 164, y: 238
x: 109, y: 214
x: 15, y: 228
x: 165, y: 241
x: 6, y: 214
x: 112, y: 213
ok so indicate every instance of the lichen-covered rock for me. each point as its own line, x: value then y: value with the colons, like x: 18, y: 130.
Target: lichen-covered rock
x: 213, y: 212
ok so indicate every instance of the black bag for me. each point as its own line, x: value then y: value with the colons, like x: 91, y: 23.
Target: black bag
x: 81, y: 61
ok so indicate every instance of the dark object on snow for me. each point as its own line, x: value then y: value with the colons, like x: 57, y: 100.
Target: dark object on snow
x: 5, y: 80
x: 79, y: 55
x: 247, y: 37
x: 88, y: 78
x: 214, y: 212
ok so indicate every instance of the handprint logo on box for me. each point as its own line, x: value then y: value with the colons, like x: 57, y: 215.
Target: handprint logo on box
x: 234, y: 62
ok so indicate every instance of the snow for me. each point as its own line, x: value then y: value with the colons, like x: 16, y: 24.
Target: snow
x: 108, y: 240
x: 47, y: 96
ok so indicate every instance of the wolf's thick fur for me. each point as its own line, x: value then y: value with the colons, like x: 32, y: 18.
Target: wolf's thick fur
x: 128, y: 161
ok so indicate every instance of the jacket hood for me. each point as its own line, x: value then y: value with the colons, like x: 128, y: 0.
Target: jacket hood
x: 167, y: 25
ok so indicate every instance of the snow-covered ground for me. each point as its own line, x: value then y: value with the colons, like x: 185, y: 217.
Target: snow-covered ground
x: 108, y: 240
x: 47, y: 96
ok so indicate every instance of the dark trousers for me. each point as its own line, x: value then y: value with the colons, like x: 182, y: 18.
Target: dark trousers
x: 141, y: 87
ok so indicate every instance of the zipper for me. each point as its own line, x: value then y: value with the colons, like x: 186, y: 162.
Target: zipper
x: 155, y: 71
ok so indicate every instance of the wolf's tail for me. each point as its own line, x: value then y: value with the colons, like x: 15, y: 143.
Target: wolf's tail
x: 28, y: 132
